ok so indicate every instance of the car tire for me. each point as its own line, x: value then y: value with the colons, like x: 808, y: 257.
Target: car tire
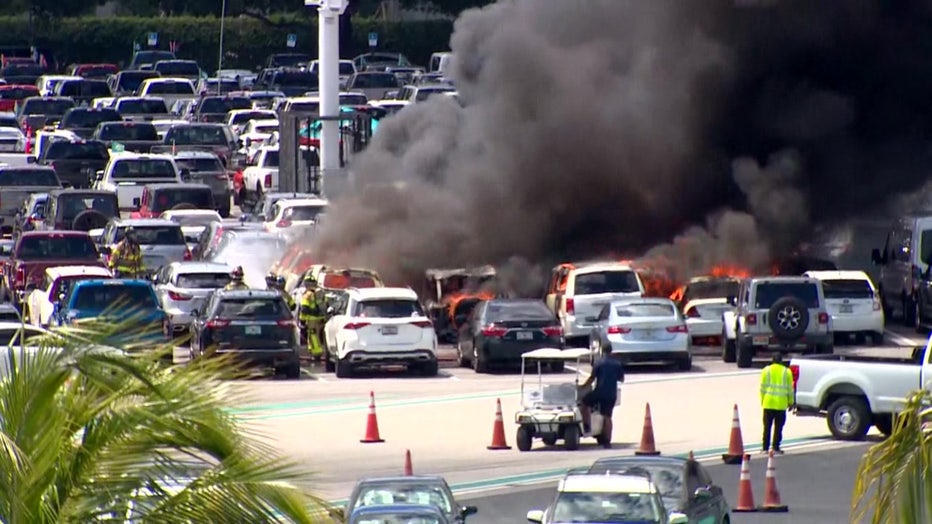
x: 461, y: 359
x: 909, y: 312
x: 571, y: 436
x: 849, y: 418
x: 825, y: 349
x: 523, y: 438
x: 549, y: 439
x: 745, y: 355
x: 344, y: 369
x: 685, y: 363
x: 293, y: 370
x: 877, y: 338
x: 793, y: 328
x: 728, y: 350
x: 429, y: 369
x: 479, y: 364
x: 329, y: 365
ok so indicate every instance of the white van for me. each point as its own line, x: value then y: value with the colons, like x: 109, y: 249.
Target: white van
x: 440, y: 63
x: 904, y: 260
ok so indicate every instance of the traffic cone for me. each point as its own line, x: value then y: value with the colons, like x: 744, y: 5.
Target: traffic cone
x: 372, y: 424
x: 736, y: 442
x: 745, y: 494
x: 772, y: 502
x: 409, y: 470
x: 647, y: 446
x: 498, y: 429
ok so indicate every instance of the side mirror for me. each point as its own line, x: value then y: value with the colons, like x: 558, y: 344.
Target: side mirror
x: 469, y: 510
x: 678, y: 518
x: 330, y: 310
x: 702, y: 495
x: 535, y: 515
x: 136, y: 202
x: 155, y: 277
x: 876, y: 257
x: 31, y: 159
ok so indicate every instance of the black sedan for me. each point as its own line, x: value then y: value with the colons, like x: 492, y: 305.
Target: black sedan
x: 684, y: 485
x: 254, y: 325
x: 499, y: 331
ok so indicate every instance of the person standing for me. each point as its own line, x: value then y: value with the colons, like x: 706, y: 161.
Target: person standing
x: 126, y: 257
x: 312, y: 317
x: 776, y: 397
x: 607, y: 373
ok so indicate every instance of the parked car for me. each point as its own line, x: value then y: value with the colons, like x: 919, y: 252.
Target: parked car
x: 161, y: 241
x: 903, y: 260
x: 42, y: 303
x: 183, y: 287
x: 643, y: 330
x: 426, y: 490
x: 79, y: 209
x: 121, y: 301
x: 499, y: 331
x: 854, y: 304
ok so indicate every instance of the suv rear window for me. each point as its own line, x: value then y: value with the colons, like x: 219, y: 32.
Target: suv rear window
x: 389, y: 308
x: 145, y: 168
x: 769, y: 293
x: 142, y: 107
x: 129, y: 131
x: 624, y: 281
x: 197, y: 135
x: 200, y: 165
x: 47, y: 106
x: 200, y: 198
x: 104, y: 296
x: 57, y: 247
x: 29, y: 177
x: 223, y: 105
x: 73, y: 205
x: 202, y: 280
x: 170, y: 88
x: 847, y: 288
x: 253, y: 308
x: 156, y: 235
x: 64, y: 150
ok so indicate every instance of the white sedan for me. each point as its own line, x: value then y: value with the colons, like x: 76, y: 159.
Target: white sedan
x: 643, y: 330
x: 297, y: 212
x: 704, y: 320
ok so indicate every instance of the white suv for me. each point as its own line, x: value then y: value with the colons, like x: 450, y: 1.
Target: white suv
x: 375, y: 327
x: 853, y: 303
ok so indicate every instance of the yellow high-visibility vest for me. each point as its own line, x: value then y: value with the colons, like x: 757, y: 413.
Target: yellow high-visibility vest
x: 776, y: 387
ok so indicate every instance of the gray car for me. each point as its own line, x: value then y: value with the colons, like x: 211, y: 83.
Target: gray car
x: 162, y: 241
x: 205, y: 168
x: 183, y: 287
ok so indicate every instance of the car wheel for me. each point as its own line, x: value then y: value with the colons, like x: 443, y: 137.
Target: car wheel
x: 571, y: 436
x: 877, y: 338
x: 917, y: 317
x: 478, y: 363
x: 685, y: 363
x: 429, y: 369
x: 461, y: 359
x: 523, y: 438
x: 909, y: 312
x: 728, y: 350
x: 329, y: 366
x: 344, y: 369
x: 549, y: 439
x: 293, y: 370
x: 745, y: 355
x: 849, y: 418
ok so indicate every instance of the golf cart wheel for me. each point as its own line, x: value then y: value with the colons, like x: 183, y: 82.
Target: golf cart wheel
x: 524, y: 437
x: 571, y: 435
x: 549, y: 439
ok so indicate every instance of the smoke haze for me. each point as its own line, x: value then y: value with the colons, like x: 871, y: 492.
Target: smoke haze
x: 695, y: 132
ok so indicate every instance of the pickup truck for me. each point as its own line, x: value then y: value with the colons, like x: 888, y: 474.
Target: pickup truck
x: 855, y: 392
x: 82, y: 121
x: 75, y: 162
x: 137, y: 109
x: 138, y: 137
x: 16, y: 184
x: 36, y: 251
x: 127, y: 173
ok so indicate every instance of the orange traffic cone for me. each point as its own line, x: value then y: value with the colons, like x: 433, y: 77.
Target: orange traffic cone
x: 647, y: 446
x: 772, y: 502
x: 409, y: 469
x: 372, y: 424
x: 745, y: 494
x: 498, y: 429
x: 736, y: 442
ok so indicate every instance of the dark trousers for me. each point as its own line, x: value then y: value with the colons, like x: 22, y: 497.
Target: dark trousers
x: 773, y: 418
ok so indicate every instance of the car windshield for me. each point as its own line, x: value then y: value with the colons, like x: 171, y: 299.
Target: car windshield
x: 389, y: 308
x: 170, y: 88
x: 424, y: 94
x: 308, y: 107
x: 28, y: 177
x: 197, y: 135
x: 156, y: 235
x: 668, y: 479
x: 396, y: 517
x: 225, y: 86
x: 344, y: 280
x: 518, y: 310
x: 104, y: 296
x: 71, y: 205
x: 129, y: 131
x: 265, y: 128
x: 132, y: 81
x: 197, y: 165
x: 142, y: 107
x: 605, y: 508
x: 405, y: 493
x: 47, y: 106
x: 242, y: 118
x: 203, y: 280
x: 84, y: 88
x: 623, y: 281
x: 375, y: 81
x: 147, y: 168
x: 101, y: 71
x: 224, y: 105
x: 263, y: 250
x: 253, y: 308
x: 63, y: 285
x: 645, y: 310
x: 769, y: 292
x: 302, y: 213
x: 49, y: 247
x: 703, y: 289
x: 178, y: 68
x: 200, y: 220
x: 847, y: 288
x: 64, y: 150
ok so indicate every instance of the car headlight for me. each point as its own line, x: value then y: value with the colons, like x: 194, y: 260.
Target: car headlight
x: 523, y: 418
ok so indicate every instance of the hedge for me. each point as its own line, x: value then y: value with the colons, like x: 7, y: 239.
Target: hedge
x: 247, y: 41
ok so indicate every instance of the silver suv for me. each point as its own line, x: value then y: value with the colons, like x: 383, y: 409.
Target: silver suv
x: 783, y: 314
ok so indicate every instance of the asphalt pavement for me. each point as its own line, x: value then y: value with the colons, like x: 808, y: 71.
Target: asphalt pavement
x: 816, y: 485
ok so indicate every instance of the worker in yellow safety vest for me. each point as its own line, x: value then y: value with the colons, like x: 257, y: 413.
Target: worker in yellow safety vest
x: 312, y: 317
x: 776, y: 397
x: 126, y: 257
x: 237, y: 280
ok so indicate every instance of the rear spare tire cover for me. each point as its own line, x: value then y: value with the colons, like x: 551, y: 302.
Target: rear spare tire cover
x: 89, y: 219
x: 788, y: 318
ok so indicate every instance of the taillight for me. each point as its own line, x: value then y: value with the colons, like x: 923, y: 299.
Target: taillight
x: 268, y: 180
x: 494, y: 331
x: 553, y: 331
x: 178, y: 296
x: 618, y: 330
x: 570, y: 307
x: 751, y: 319
x: 823, y: 318
x: 794, y: 369
x: 216, y: 323
x: 356, y: 325
x: 187, y: 255
x: 677, y: 329
x: 422, y: 323
x: 286, y: 323
x: 283, y: 223
x: 692, y: 313
x: 20, y: 275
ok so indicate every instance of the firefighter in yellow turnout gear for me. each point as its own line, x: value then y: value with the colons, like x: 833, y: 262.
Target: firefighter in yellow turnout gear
x: 126, y: 257
x: 273, y: 281
x: 312, y: 316
x: 237, y: 282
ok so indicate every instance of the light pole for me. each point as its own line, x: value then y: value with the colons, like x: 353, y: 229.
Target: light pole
x: 223, y: 15
x: 328, y: 37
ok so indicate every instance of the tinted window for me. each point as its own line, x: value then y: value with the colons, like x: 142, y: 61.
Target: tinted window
x: 343, y: 281
x: 8, y: 121
x: 299, y: 213
x: 84, y: 88
x: 226, y: 86
x: 132, y: 80
x: 389, y: 308
x: 101, y: 71
x: 28, y: 177
x: 13, y: 337
x: 18, y: 92
x: 224, y: 105
x: 847, y: 289
x: 170, y: 88
x: 645, y: 310
x: 353, y: 100
x: 404, y: 493
x: 129, y: 131
x: 144, y: 168
x: 925, y: 246
x: 70, y: 206
x: 200, y: 198
x: 711, y: 289
x: 178, y: 69
x: 196, y: 165
x: 271, y: 159
x: 242, y: 118
x: 253, y: 308
x: 104, y: 296
x: 768, y: 293
x: 52, y: 247
x: 142, y: 107
x: 87, y: 118
x: 64, y: 284
x: 524, y: 310
x: 668, y: 479
x: 47, y: 106
x: 606, y: 282
x: 156, y: 235
x: 61, y: 150
x: 296, y: 79
x: 346, y: 68
x: 197, y: 135
x: 309, y: 107
x: 424, y: 94
x: 202, y: 280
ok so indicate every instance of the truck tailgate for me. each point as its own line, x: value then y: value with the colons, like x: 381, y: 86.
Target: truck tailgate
x: 126, y: 192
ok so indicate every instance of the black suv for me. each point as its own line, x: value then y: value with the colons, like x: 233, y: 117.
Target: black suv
x: 79, y: 209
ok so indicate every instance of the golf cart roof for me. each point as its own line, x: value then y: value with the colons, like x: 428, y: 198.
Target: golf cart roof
x: 557, y: 354
x: 443, y: 274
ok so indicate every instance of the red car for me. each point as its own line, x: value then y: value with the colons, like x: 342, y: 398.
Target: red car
x: 95, y: 70
x: 10, y: 94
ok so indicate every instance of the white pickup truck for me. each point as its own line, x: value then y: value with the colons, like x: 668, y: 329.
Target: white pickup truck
x: 127, y: 174
x: 855, y: 392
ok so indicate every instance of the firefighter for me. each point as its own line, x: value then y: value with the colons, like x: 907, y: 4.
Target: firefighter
x: 273, y: 281
x: 237, y: 282
x: 312, y: 316
x: 126, y: 256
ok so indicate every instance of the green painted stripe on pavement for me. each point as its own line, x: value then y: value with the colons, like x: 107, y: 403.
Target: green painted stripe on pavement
x: 298, y: 404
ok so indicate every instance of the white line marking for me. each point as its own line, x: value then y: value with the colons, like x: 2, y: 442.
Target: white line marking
x: 453, y: 377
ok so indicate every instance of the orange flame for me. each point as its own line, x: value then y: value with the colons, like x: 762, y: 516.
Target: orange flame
x: 729, y: 270
x: 454, y: 299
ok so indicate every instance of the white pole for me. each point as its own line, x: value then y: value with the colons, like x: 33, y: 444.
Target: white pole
x: 223, y: 15
x: 328, y: 72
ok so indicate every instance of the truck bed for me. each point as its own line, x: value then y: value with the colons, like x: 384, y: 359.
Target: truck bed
x: 914, y: 359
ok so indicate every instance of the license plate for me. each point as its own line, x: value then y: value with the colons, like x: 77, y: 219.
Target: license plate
x: 847, y: 309
x: 390, y: 330
x: 760, y: 341
x: 253, y: 330
x: 649, y: 333
x: 525, y: 335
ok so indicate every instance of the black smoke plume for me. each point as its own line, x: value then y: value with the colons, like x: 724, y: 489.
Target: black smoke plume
x: 700, y: 132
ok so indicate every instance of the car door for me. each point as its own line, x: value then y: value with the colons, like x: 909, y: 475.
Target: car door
x: 701, y: 505
x: 719, y: 501
x: 333, y: 326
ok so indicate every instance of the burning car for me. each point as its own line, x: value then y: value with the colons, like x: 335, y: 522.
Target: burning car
x: 453, y: 295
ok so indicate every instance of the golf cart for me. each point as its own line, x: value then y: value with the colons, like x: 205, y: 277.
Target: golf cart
x: 551, y: 412
x: 453, y: 293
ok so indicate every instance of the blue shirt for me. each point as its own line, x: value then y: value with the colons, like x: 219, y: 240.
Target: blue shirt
x: 608, y: 372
